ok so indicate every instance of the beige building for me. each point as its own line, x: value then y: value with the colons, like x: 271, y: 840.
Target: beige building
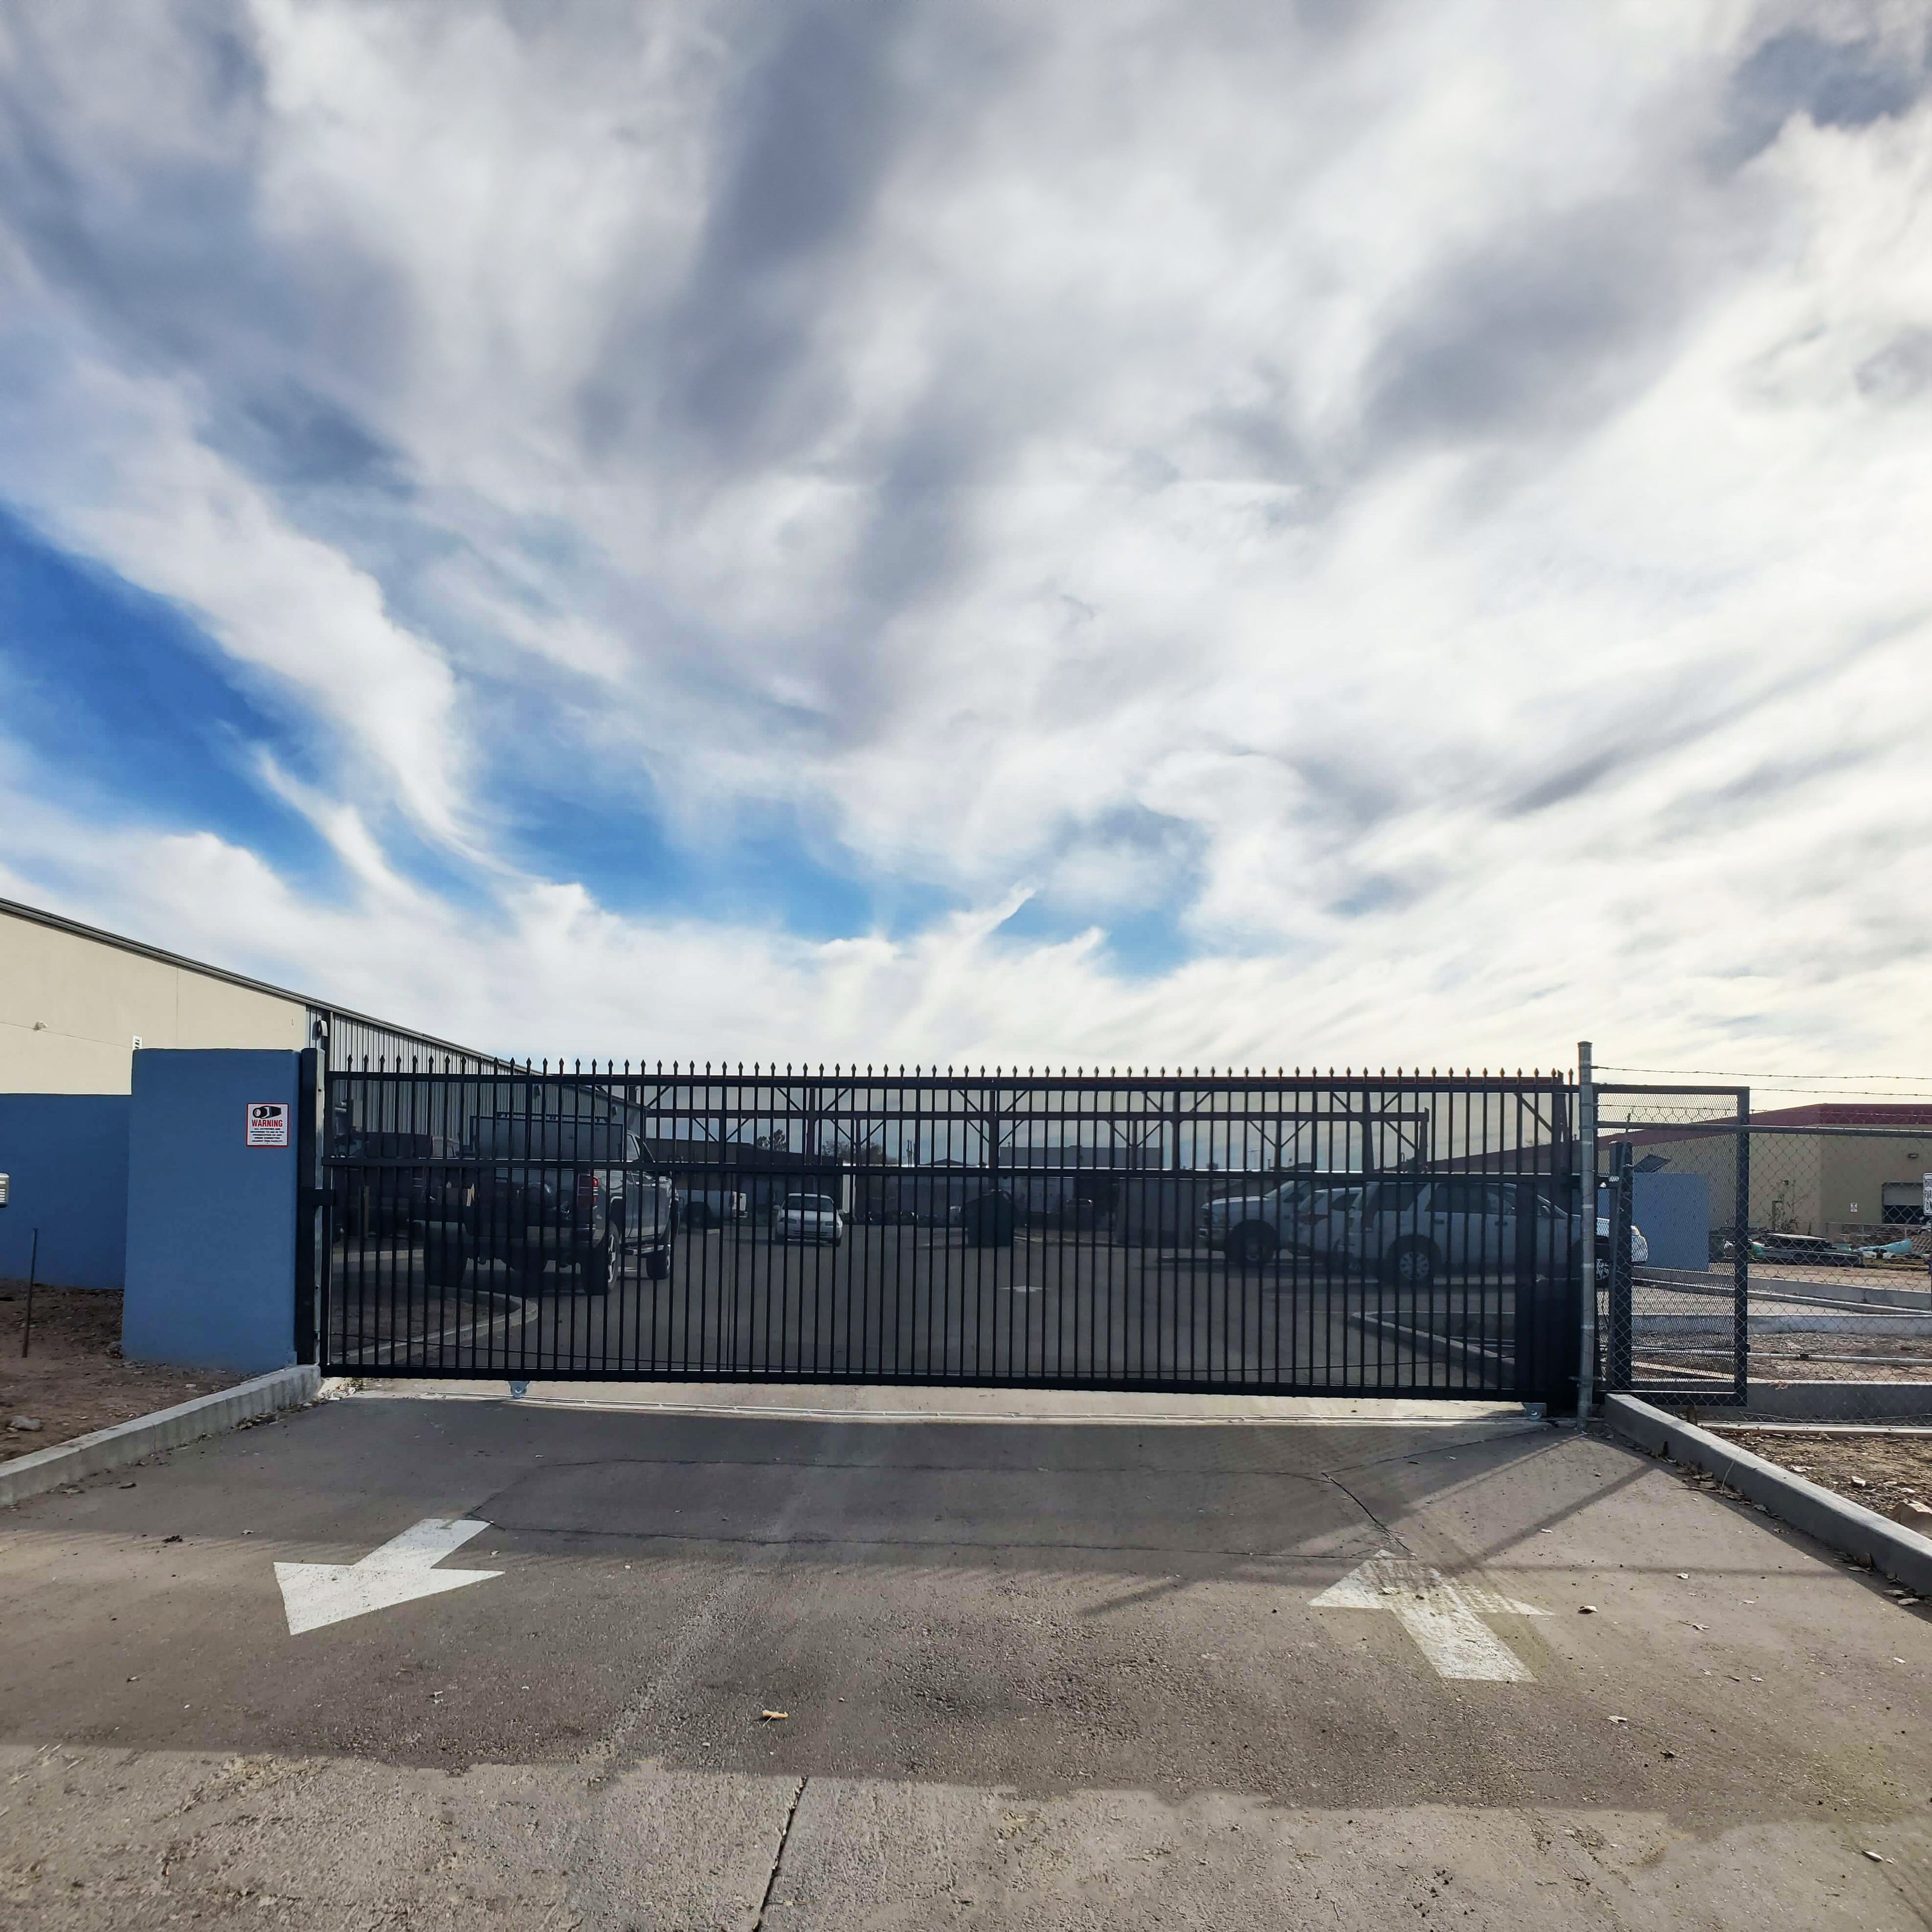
x: 1813, y: 1171
x: 75, y: 1002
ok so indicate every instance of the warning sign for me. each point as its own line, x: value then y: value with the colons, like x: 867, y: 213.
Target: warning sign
x: 267, y: 1124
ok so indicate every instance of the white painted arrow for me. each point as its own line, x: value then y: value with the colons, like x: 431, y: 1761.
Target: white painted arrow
x: 1444, y: 1618
x: 315, y: 1593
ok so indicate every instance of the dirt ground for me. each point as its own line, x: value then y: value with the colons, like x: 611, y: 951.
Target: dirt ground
x: 1842, y: 1358
x: 73, y: 1380
x: 1890, y: 1473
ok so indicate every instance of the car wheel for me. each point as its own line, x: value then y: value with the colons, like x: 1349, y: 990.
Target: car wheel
x: 697, y: 1217
x: 1252, y: 1245
x: 657, y: 1264
x: 594, y: 1269
x: 1412, y: 1264
x: 528, y: 1270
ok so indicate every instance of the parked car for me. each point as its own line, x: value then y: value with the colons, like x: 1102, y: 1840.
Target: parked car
x: 1413, y: 1232
x: 988, y: 1220
x: 1640, y: 1248
x: 1768, y: 1246
x: 1302, y: 1216
x: 808, y: 1217
x: 553, y: 1190
x: 703, y: 1207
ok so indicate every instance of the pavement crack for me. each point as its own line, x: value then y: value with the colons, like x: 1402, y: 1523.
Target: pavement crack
x: 1329, y: 1476
x: 1416, y: 1453
x: 778, y: 1853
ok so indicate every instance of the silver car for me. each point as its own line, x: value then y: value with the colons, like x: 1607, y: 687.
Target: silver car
x: 1304, y: 1215
x: 1413, y: 1231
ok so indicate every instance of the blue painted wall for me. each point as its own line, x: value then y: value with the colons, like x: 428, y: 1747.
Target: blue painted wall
x: 1674, y: 1211
x: 211, y: 1220
x: 68, y: 1154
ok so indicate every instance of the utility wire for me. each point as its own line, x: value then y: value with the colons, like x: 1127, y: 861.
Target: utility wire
x: 1810, y: 1083
x: 1722, y: 1073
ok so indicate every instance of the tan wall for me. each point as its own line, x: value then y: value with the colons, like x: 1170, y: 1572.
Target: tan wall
x: 70, y: 1008
x: 1785, y: 1176
x: 1856, y: 1171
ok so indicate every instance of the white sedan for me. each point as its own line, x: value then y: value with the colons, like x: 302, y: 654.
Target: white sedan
x: 808, y: 1217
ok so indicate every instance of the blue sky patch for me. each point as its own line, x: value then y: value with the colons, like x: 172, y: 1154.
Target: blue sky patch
x: 118, y: 700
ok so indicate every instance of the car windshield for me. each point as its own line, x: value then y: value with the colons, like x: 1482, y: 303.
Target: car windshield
x: 809, y: 1204
x: 1289, y: 1194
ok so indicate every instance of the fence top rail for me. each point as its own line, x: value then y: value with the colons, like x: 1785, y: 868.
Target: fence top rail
x: 804, y: 1165
x: 1006, y: 1079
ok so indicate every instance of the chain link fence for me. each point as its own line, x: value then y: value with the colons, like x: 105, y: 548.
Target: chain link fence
x: 1777, y: 1260
x: 1673, y: 1265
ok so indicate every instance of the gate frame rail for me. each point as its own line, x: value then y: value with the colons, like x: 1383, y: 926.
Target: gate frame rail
x: 1616, y: 1375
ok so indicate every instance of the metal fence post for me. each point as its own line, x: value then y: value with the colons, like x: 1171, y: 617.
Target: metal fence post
x: 1586, y: 1120
x: 1741, y: 1258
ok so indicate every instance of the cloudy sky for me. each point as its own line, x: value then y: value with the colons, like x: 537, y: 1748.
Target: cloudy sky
x: 1206, y: 531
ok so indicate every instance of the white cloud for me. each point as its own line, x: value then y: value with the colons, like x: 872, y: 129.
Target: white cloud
x: 109, y: 464
x: 1433, y: 511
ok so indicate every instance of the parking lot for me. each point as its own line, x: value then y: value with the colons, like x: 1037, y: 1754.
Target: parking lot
x: 1077, y: 1672
x: 911, y: 1303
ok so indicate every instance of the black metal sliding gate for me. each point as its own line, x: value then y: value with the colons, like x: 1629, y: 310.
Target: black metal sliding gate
x: 1385, y: 1234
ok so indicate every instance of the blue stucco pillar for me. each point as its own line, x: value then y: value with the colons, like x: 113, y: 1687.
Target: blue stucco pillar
x: 211, y: 1200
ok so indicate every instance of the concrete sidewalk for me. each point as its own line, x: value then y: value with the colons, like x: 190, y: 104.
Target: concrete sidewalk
x: 1036, y: 1672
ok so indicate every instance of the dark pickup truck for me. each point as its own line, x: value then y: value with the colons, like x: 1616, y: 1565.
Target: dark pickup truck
x: 550, y: 1189
x: 402, y: 1186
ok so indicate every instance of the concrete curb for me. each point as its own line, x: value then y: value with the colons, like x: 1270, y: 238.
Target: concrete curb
x: 128, y: 1442
x: 1901, y: 1553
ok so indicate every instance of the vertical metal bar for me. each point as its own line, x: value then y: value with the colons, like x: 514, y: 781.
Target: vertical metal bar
x: 308, y: 1199
x: 1586, y: 1118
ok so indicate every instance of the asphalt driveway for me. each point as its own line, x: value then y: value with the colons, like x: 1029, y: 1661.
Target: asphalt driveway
x: 1032, y: 1672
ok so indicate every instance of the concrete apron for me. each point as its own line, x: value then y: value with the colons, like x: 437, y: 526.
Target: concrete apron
x: 1042, y: 1674
x: 809, y: 1401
